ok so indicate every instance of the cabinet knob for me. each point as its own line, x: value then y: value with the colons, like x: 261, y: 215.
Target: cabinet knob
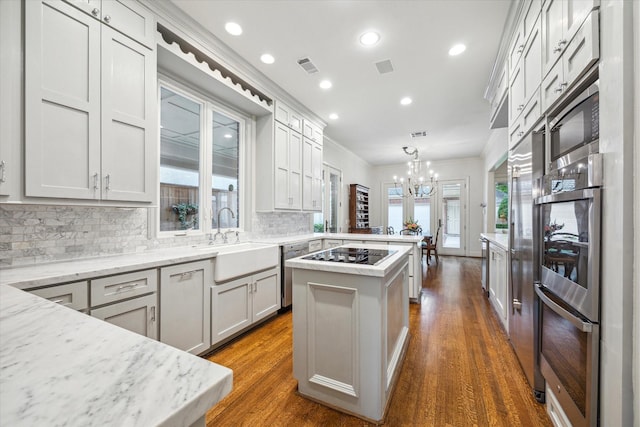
x: 520, y: 107
x: 520, y: 48
x: 95, y: 11
x: 557, y: 49
x: 107, y: 19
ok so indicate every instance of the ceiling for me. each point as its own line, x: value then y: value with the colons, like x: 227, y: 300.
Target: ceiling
x: 447, y: 91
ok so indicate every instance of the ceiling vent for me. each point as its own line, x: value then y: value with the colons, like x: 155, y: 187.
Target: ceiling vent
x: 307, y: 65
x: 385, y: 66
x: 418, y: 134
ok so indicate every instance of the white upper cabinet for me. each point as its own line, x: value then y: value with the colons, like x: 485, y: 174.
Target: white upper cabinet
x: 288, y: 116
x: 561, y: 19
x: 90, y: 108
x: 289, y: 162
x: 580, y: 54
x: 125, y: 16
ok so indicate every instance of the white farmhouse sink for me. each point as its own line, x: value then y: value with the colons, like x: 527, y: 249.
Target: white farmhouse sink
x: 243, y: 258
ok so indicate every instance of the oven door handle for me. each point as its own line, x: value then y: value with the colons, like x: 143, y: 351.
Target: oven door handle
x: 575, y: 321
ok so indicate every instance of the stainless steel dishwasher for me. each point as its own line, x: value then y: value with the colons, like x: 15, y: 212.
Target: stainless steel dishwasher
x: 293, y: 250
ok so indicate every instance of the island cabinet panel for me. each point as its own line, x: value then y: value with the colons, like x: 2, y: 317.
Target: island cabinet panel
x: 333, y: 358
x: 185, y: 318
x: 137, y: 315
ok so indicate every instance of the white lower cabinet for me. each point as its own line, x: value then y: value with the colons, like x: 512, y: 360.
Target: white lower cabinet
x: 239, y: 303
x: 185, y: 306
x: 73, y: 295
x: 498, y: 290
x: 136, y: 315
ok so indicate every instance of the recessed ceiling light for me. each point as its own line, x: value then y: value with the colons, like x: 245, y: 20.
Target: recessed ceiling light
x: 457, y: 49
x: 333, y: 116
x: 227, y: 135
x: 369, y: 38
x: 233, y: 28
x: 267, y: 59
x: 406, y: 100
x: 325, y: 84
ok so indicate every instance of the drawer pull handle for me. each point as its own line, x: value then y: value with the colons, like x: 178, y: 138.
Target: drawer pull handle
x: 153, y: 313
x: 126, y: 287
x: 186, y: 275
x: 57, y: 301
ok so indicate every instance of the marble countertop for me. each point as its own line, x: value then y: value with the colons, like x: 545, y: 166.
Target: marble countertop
x: 498, y: 239
x: 34, y: 276
x: 286, y: 240
x: 61, y: 367
x: 379, y: 270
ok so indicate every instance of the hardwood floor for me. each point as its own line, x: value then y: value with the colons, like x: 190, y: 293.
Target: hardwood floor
x: 460, y: 369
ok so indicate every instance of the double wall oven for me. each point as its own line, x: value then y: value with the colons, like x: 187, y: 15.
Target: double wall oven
x: 569, y: 287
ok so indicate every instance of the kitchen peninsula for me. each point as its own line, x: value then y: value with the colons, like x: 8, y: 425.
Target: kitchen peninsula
x: 62, y: 367
x: 350, y: 325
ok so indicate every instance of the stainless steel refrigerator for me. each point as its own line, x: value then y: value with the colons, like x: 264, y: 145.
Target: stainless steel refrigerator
x: 526, y: 167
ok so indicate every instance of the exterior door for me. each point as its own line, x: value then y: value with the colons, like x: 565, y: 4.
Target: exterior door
x: 452, y: 217
x: 394, y: 206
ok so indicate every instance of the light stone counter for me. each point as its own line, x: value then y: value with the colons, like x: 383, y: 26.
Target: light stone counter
x: 286, y: 240
x: 60, y: 367
x: 379, y: 270
x: 498, y: 239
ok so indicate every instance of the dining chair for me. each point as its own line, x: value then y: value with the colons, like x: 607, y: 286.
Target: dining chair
x: 431, y: 246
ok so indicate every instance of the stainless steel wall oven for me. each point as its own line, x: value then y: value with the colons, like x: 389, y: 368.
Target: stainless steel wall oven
x: 570, y: 286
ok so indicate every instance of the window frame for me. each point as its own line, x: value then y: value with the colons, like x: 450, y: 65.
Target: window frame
x: 208, y: 105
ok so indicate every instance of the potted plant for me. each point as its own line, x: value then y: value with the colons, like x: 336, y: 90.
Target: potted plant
x: 184, y: 210
x: 411, y: 224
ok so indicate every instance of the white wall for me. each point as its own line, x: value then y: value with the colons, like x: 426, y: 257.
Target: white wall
x: 617, y: 400
x: 471, y: 168
x: 354, y: 171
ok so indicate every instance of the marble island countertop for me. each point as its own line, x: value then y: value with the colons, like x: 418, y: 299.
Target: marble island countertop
x: 379, y: 270
x: 61, y: 367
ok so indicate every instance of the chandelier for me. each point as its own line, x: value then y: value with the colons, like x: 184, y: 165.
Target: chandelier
x: 415, y: 182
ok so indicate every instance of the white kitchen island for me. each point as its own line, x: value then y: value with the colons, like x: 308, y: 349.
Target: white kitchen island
x: 350, y: 330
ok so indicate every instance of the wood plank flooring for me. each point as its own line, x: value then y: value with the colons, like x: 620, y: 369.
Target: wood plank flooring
x: 460, y: 369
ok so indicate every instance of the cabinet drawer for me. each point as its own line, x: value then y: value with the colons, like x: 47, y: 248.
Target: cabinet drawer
x: 315, y: 245
x: 115, y: 288
x: 72, y: 295
x: 332, y: 243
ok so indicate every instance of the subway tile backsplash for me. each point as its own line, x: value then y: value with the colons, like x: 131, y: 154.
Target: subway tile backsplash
x: 31, y: 234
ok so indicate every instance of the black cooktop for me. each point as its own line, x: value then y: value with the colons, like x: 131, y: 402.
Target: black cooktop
x: 351, y: 255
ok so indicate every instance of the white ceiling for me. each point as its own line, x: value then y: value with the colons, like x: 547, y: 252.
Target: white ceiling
x: 447, y: 91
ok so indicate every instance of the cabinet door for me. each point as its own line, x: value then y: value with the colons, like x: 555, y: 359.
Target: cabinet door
x: 552, y: 86
x: 281, y: 159
x: 128, y: 119
x: 185, y: 318
x: 131, y: 19
x: 552, y: 37
x: 307, y: 174
x: 62, y: 101
x: 136, y: 315
x: 316, y: 187
x: 295, y: 170
x: 532, y: 62
x: 265, y: 294
x: 516, y: 93
x: 531, y: 113
x: 231, y: 309
x: 574, y: 14
x: 515, y: 49
x: 583, y: 51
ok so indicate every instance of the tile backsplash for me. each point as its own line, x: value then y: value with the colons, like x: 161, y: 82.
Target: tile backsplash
x: 32, y: 234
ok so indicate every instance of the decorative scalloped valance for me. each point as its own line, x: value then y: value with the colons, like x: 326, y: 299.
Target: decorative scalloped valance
x: 187, y: 48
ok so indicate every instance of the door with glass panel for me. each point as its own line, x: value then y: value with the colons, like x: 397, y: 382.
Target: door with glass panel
x: 332, y: 179
x: 395, y: 208
x: 452, y: 217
